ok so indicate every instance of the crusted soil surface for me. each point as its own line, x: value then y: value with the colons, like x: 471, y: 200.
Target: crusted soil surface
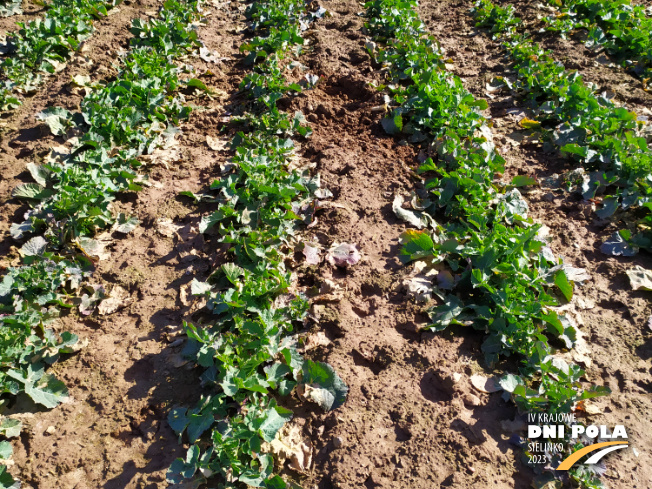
x: 412, y: 418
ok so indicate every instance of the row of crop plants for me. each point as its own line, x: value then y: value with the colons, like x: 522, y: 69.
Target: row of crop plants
x: 619, y: 26
x: 500, y: 277
x: 244, y: 341
x: 42, y: 46
x: 70, y: 202
x: 607, y: 140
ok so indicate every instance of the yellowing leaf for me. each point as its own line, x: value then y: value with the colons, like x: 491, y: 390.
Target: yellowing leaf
x: 529, y: 123
x: 411, y: 234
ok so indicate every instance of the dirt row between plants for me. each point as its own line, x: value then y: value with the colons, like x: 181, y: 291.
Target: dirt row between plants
x: 411, y: 418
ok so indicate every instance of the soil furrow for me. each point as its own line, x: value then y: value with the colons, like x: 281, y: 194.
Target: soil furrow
x: 411, y: 418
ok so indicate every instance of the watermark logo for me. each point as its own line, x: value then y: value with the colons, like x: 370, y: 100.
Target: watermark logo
x: 550, y: 434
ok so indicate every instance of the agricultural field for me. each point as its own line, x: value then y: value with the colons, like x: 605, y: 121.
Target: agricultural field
x: 325, y: 244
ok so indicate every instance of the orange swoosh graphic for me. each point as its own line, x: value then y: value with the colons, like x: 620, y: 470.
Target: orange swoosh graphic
x: 574, y: 457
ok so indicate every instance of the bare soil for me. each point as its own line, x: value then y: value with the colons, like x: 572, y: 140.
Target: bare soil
x: 412, y: 419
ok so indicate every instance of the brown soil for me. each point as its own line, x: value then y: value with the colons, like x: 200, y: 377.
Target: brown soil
x: 406, y: 422
x: 412, y: 419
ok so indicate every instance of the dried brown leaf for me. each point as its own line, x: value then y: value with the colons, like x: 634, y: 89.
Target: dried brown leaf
x: 118, y: 299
